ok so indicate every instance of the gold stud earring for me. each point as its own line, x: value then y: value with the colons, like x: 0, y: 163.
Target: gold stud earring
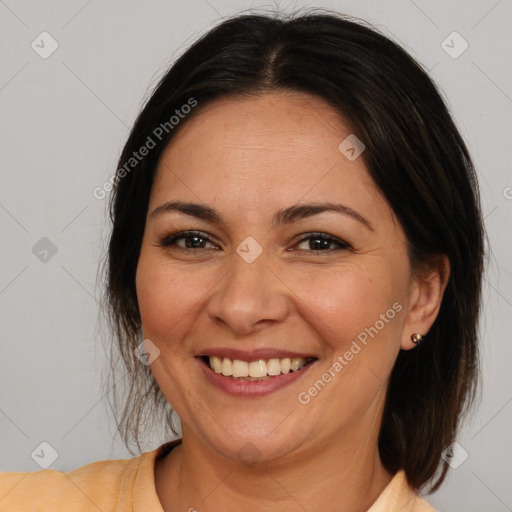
x: 416, y: 338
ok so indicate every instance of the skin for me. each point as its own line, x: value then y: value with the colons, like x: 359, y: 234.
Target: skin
x: 248, y: 158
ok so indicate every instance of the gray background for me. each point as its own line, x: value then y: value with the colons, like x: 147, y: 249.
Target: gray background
x: 64, y: 120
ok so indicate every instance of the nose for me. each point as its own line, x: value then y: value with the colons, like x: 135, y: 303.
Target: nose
x: 250, y: 296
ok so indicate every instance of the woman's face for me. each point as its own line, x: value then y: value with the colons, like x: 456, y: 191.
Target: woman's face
x: 256, y: 284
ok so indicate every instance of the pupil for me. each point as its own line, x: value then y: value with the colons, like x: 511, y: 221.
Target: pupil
x: 192, y: 242
x: 318, y: 243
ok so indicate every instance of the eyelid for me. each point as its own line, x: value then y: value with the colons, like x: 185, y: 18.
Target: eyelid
x: 170, y: 239
x: 324, y: 236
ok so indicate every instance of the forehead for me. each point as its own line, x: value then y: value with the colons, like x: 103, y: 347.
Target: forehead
x: 251, y: 157
x: 279, y: 122
x: 283, y: 137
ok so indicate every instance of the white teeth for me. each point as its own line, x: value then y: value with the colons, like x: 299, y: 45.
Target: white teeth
x: 227, y: 367
x: 258, y: 368
x: 255, y: 370
x: 240, y: 368
x: 216, y: 364
x: 274, y: 367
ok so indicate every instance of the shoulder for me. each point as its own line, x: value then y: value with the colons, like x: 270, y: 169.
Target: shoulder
x: 99, y: 485
x: 398, y: 496
x: 420, y: 505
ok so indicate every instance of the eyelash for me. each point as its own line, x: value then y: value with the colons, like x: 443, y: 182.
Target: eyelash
x: 171, y: 239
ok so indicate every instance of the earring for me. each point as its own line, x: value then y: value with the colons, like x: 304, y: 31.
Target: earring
x: 416, y: 338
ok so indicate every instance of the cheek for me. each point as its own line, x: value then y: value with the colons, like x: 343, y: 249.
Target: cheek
x: 348, y: 303
x: 165, y: 296
x: 154, y: 298
x: 358, y: 317
x: 171, y: 298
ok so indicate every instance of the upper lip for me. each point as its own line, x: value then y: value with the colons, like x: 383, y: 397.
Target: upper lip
x: 251, y: 355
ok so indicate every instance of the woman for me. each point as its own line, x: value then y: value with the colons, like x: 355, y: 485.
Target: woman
x: 297, y: 238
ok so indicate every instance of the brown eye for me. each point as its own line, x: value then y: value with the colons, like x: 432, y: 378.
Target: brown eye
x: 322, y: 242
x: 192, y: 240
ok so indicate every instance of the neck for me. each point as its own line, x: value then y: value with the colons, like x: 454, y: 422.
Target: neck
x: 345, y: 474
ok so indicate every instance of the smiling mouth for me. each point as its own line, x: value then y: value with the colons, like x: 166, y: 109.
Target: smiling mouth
x: 261, y: 369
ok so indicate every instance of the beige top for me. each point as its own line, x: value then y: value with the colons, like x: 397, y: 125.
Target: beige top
x: 128, y: 485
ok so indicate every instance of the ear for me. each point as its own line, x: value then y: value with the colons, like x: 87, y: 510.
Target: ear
x: 426, y: 294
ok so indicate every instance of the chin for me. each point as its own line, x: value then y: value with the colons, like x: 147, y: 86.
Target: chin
x: 256, y: 444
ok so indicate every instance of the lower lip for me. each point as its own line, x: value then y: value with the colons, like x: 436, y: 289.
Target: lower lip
x: 251, y: 388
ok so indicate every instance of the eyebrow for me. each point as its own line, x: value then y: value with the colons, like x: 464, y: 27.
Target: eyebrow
x: 288, y: 215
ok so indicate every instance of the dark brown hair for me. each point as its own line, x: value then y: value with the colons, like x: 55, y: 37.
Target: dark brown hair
x: 416, y: 157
